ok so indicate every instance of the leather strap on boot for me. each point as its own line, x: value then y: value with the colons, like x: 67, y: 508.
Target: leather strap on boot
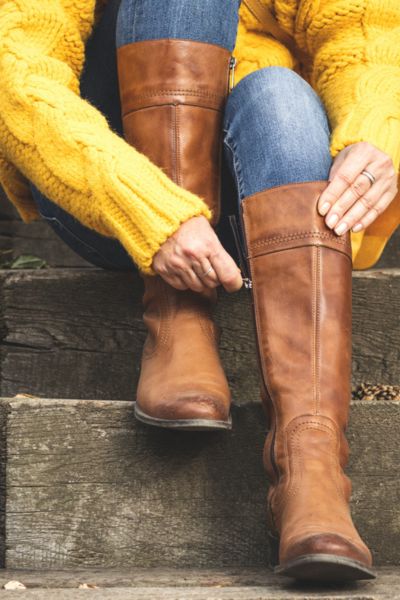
x: 173, y: 93
x: 301, y: 273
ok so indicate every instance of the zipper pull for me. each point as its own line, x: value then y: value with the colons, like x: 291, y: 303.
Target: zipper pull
x: 232, y: 65
x: 248, y: 284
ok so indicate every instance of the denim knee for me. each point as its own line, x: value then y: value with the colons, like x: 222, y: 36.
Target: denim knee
x: 276, y: 131
x: 210, y: 21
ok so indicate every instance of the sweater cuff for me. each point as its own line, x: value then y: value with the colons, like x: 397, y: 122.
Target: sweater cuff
x: 143, y: 207
x: 142, y: 243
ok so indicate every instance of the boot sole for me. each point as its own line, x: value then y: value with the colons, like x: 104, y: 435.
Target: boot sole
x: 184, y: 424
x: 325, y: 567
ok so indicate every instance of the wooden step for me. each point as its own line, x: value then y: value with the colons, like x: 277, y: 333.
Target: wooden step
x: 36, y: 239
x: 78, y: 333
x: 191, y: 584
x: 85, y: 485
x: 391, y: 255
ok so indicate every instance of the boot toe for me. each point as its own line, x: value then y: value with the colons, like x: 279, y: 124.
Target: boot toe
x: 195, y: 406
x: 187, y: 411
x: 328, y: 544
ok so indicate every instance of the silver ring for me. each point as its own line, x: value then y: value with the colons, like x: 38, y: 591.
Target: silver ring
x: 207, y: 272
x: 369, y: 175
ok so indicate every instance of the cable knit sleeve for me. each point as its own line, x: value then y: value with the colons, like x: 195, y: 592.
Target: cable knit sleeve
x: 64, y: 145
x: 356, y: 69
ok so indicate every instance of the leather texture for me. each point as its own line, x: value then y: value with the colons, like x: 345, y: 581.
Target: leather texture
x: 181, y: 374
x: 172, y: 105
x: 302, y: 274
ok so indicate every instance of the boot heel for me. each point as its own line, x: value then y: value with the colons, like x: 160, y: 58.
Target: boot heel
x: 273, y: 550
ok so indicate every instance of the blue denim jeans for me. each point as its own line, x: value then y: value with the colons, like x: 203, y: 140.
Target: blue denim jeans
x: 275, y: 127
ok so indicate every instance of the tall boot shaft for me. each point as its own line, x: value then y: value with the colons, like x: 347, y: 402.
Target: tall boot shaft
x: 301, y: 279
x: 173, y: 93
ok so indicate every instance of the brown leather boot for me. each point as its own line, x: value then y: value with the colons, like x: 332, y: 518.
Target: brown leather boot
x: 301, y: 275
x: 172, y: 95
x: 182, y: 383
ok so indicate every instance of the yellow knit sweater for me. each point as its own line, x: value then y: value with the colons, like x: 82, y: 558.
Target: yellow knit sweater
x: 50, y: 136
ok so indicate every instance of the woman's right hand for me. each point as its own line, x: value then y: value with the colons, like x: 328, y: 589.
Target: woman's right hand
x: 194, y: 258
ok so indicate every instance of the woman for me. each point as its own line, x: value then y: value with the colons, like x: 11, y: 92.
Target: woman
x: 119, y: 210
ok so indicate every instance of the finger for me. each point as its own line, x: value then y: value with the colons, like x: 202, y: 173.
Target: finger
x: 371, y: 215
x: 337, y: 163
x: 167, y: 274
x: 360, y: 208
x: 345, y: 175
x: 175, y: 281
x: 206, y: 272
x: 227, y: 271
x: 192, y: 280
x: 210, y: 279
x: 360, y: 186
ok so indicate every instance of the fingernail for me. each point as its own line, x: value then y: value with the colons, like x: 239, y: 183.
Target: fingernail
x: 341, y: 229
x: 332, y: 220
x: 324, y: 208
x: 357, y: 228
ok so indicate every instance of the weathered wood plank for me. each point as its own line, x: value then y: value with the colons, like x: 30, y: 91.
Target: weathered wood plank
x: 37, y: 239
x: 71, y: 333
x: 87, y: 323
x: 383, y: 589
x: 87, y: 486
x: 7, y: 210
x: 3, y: 466
x: 376, y: 326
x: 391, y: 254
x: 138, y: 580
x: 277, y: 592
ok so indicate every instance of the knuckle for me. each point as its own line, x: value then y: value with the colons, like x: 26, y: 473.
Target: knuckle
x: 365, y: 146
x: 216, y: 254
x: 387, y: 163
x: 346, y: 177
x: 357, y: 189
x: 175, y: 262
x: 193, y: 248
x: 377, y: 210
x: 367, y: 202
x: 161, y: 269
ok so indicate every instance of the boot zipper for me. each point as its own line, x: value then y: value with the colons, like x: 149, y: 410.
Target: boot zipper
x: 241, y: 253
x: 232, y: 65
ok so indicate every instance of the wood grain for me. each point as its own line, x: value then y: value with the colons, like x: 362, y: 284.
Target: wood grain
x: 89, y: 486
x: 37, y: 239
x: 79, y: 334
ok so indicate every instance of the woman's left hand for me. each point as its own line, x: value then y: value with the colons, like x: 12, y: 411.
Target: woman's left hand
x: 354, y: 200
